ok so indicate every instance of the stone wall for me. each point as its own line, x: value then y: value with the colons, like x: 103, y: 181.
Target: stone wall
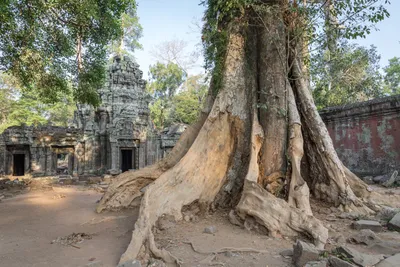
x: 366, y: 135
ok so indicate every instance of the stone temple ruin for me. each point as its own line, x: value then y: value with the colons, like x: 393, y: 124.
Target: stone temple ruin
x: 113, y: 138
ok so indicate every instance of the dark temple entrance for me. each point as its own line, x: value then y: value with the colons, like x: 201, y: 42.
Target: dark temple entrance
x: 19, y: 164
x: 126, y: 159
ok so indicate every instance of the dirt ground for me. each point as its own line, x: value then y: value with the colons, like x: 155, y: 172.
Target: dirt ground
x: 30, y: 221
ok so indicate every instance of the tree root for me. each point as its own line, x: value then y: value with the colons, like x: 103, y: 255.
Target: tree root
x: 328, y: 178
x: 274, y: 213
x: 225, y: 249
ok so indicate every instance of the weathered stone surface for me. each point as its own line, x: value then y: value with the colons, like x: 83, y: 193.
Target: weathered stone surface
x: 210, y: 230
x: 387, y: 213
x: 393, y: 261
x: 336, y: 262
x: 134, y: 263
x: 367, y: 224
x: 364, y: 236
x: 392, y: 179
x: 349, y: 215
x: 368, y: 179
x: 304, y: 252
x: 394, y: 223
x: 286, y: 253
x: 385, y: 247
x: 322, y: 263
x: 380, y: 179
x: 360, y: 259
x: 95, y: 264
x: 364, y: 135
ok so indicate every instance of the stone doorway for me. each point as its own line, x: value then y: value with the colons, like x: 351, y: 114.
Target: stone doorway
x: 62, y: 163
x: 126, y: 159
x: 19, y: 164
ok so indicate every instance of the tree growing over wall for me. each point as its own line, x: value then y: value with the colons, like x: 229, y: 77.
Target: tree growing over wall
x: 258, y: 124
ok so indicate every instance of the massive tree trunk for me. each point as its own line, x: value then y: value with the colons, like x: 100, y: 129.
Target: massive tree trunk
x: 246, y: 151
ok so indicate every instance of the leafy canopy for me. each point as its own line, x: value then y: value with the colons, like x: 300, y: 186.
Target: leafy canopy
x: 58, y: 46
x: 26, y: 107
x: 352, y: 76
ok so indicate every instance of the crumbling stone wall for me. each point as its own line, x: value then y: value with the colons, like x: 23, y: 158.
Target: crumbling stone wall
x: 366, y: 135
x: 40, y: 147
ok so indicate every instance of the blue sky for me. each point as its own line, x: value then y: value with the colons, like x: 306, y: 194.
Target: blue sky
x: 164, y: 20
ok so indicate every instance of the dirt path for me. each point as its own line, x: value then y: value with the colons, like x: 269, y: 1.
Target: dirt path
x: 29, y: 222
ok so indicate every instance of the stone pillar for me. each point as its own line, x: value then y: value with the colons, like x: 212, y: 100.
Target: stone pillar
x: 115, y: 168
x: 27, y: 162
x: 142, y: 154
x: 88, y: 156
x: 35, y: 165
x: 49, y: 161
x: 2, y: 156
x: 42, y: 159
x: 103, y: 152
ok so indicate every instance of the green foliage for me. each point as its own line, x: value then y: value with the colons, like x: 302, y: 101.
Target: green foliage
x: 352, y: 19
x: 27, y: 108
x: 132, y: 31
x: 54, y: 47
x: 188, y: 103
x: 392, y: 76
x: 352, y: 76
x: 164, y: 80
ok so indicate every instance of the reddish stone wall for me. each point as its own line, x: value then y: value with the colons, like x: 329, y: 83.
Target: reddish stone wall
x: 366, y: 135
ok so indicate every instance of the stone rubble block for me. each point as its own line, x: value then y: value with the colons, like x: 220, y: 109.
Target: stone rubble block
x: 394, y: 223
x: 304, y: 252
x: 360, y: 259
x: 367, y: 224
x: 393, y: 261
x: 336, y: 262
x: 316, y: 264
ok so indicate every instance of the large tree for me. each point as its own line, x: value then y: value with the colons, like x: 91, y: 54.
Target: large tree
x: 246, y: 150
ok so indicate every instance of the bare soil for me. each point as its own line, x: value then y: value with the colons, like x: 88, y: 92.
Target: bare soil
x: 31, y: 220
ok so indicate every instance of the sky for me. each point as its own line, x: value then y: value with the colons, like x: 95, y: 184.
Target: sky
x: 165, y: 20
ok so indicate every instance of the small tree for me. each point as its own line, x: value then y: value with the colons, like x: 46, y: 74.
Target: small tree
x: 164, y: 80
x: 353, y: 75
x: 392, y: 76
x: 187, y: 104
